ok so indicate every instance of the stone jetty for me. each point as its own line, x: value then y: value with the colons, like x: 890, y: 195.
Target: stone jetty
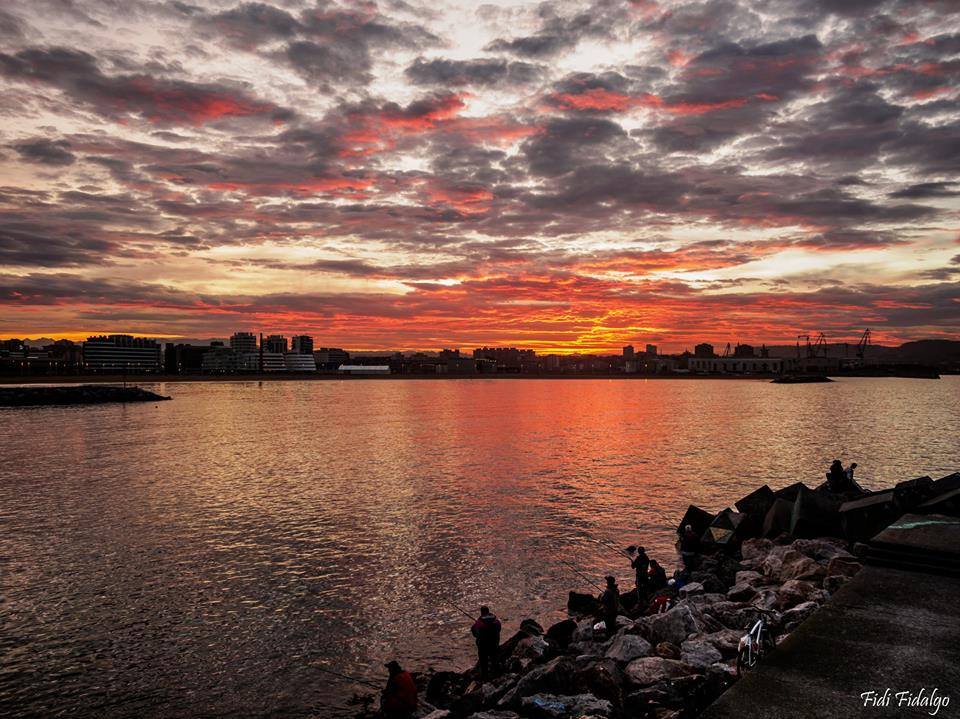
x: 776, y: 556
x: 82, y: 394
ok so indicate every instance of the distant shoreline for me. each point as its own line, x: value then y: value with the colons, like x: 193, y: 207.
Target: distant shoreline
x: 296, y: 377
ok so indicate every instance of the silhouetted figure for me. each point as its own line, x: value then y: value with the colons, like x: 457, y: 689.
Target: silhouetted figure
x: 399, y: 700
x: 610, y: 601
x: 486, y: 630
x: 689, y: 546
x: 659, y: 604
x: 836, y: 477
x: 851, y: 482
x: 641, y: 565
x: 658, y: 576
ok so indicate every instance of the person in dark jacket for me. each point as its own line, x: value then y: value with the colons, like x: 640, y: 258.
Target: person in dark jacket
x: 689, y: 547
x: 399, y: 699
x: 658, y: 575
x: 486, y: 631
x: 837, y: 477
x: 610, y: 602
x: 641, y: 565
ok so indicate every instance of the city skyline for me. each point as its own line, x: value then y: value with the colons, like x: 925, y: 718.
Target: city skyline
x: 568, y: 177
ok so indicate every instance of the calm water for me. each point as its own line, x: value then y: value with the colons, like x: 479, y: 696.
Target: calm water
x: 203, y: 556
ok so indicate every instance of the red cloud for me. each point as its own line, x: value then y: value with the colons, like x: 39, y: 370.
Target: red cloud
x: 602, y: 100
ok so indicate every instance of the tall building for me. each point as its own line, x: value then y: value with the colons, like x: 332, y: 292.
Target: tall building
x: 302, y: 344
x: 628, y: 352
x: 652, y: 350
x: 121, y: 353
x: 243, y: 342
x: 743, y: 351
x: 183, y: 358
x: 275, y: 344
x: 704, y: 351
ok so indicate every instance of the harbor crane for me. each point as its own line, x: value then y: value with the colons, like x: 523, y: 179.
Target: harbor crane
x: 814, y: 349
x: 863, y: 343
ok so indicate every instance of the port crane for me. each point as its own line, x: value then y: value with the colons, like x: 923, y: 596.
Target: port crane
x: 814, y: 349
x: 863, y: 343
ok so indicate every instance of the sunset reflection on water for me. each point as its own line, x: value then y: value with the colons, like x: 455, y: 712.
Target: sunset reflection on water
x: 197, y: 556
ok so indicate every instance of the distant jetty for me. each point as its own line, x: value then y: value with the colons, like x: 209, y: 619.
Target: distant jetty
x: 82, y: 394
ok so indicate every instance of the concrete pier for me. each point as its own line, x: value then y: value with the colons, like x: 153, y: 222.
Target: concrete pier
x: 895, y: 626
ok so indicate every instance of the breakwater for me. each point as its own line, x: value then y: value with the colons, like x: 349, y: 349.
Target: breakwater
x: 770, y: 563
x: 82, y: 394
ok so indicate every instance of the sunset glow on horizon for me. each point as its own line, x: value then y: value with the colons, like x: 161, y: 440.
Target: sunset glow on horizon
x: 564, y: 176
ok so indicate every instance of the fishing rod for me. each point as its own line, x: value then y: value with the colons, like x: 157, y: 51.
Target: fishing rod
x: 456, y: 606
x: 610, y: 545
x: 581, y: 574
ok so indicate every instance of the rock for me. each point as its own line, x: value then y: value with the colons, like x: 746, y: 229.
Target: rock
x: 742, y: 592
x: 749, y: 577
x: 821, y: 549
x: 578, y: 603
x: 843, y: 566
x: 766, y: 599
x: 650, y: 670
x: 584, y: 631
x: 442, y: 687
x: 561, y: 633
x: 699, y: 653
x: 863, y: 518
x: 755, y: 507
x: 531, y: 627
x: 627, y: 647
x: 790, y: 493
x: 795, y: 591
x: 792, y: 617
x: 623, y: 622
x: 708, y: 581
x: 438, y: 714
x: 532, y: 648
x: 495, y: 714
x: 554, y: 677
x: 602, y: 678
x: 726, y: 641
x: 586, y: 649
x: 667, y: 650
x: 912, y: 492
x: 698, y: 519
x: 726, y: 531
x: 673, y: 626
x: 691, y: 589
x: 815, y: 514
x: 802, y: 567
x: 755, y: 548
x: 777, y: 520
x: 832, y: 584
x: 551, y: 706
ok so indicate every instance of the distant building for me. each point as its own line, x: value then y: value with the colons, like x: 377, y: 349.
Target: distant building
x: 120, y: 353
x: 223, y: 360
x: 275, y: 344
x: 740, y: 365
x: 743, y: 351
x: 296, y: 362
x: 302, y: 344
x: 652, y: 350
x: 363, y: 369
x: 273, y: 361
x: 243, y: 342
x: 628, y: 353
x: 183, y: 358
x: 704, y: 350
x: 508, y: 359
x: 330, y: 358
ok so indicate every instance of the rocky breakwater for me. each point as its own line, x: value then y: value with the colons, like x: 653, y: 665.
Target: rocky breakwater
x: 82, y: 394
x: 772, y: 559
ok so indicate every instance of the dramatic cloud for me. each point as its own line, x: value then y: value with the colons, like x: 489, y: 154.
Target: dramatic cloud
x: 566, y: 175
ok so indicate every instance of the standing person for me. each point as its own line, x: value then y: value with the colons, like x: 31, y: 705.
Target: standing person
x: 399, y: 699
x: 641, y: 566
x: 689, y: 546
x: 486, y: 631
x: 658, y: 575
x: 610, y: 601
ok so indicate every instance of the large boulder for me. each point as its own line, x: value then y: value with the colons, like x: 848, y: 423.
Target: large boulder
x: 755, y: 507
x: 748, y: 576
x: 494, y: 714
x: 778, y: 517
x: 801, y: 567
x: 667, y: 650
x: 555, y: 677
x: 627, y: 647
x: 742, y: 592
x: 552, y: 706
x: 691, y: 589
x: 754, y: 548
x: 862, y: 518
x: 532, y: 648
x: 602, y: 678
x: 726, y: 641
x: 698, y: 519
x: 793, y: 617
x: 578, y: 603
x: 843, y: 566
x: 796, y: 591
x: 699, y: 653
x: 561, y: 633
x: 815, y: 514
x: 673, y: 626
x: 650, y: 670
x: 822, y: 549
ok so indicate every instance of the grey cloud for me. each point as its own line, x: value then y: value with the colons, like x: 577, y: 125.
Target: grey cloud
x: 927, y: 189
x: 481, y: 71
x: 46, y: 152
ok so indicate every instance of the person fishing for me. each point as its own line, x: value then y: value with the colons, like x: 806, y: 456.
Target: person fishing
x: 851, y: 482
x: 610, y: 603
x: 486, y: 632
x: 837, y: 478
x: 658, y: 575
x: 399, y: 697
x: 641, y: 565
x: 689, y: 546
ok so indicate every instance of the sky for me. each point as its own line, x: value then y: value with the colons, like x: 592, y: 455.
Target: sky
x: 562, y: 176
